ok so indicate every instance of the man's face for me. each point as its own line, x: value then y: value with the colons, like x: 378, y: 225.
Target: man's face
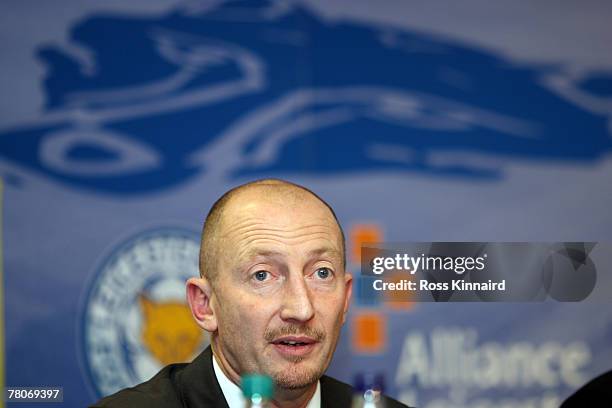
x: 281, y: 292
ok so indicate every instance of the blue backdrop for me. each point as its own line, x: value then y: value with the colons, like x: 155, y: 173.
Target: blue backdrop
x: 121, y: 124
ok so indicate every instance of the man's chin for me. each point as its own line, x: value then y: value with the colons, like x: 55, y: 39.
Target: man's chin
x: 297, y: 373
x: 293, y: 371
x: 297, y: 377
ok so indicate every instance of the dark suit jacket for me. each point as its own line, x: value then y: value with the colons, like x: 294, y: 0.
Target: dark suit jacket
x: 597, y: 393
x: 194, y: 385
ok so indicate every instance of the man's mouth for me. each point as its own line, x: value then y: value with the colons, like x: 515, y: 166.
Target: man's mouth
x: 294, y: 341
x: 294, y: 346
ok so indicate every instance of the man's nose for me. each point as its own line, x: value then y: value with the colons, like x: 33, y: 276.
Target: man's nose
x: 297, y: 302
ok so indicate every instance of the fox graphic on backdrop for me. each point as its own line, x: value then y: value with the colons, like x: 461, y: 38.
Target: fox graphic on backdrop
x: 256, y: 88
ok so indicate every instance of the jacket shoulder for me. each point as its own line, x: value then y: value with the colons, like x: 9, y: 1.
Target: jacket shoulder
x: 160, y: 391
x: 335, y: 393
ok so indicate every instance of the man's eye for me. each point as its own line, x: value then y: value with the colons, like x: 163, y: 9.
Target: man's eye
x: 261, y: 275
x: 323, y: 273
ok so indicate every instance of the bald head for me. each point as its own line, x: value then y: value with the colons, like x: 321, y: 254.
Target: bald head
x: 271, y: 193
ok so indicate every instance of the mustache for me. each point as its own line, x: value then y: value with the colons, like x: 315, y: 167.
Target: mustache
x: 294, y: 330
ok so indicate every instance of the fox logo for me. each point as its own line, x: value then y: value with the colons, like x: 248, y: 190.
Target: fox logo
x: 169, y: 332
x: 141, y: 104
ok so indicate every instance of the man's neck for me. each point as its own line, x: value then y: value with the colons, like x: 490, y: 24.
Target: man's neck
x: 284, y: 398
x: 298, y: 398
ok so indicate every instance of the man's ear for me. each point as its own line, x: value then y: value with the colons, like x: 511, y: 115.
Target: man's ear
x: 348, y: 279
x: 199, y: 296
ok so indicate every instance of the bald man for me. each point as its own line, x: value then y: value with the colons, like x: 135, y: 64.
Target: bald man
x: 273, y: 293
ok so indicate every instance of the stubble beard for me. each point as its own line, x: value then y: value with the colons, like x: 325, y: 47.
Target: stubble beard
x: 297, y: 377
x: 300, y: 374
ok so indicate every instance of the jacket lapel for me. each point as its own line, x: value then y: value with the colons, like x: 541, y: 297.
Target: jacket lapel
x: 198, y: 386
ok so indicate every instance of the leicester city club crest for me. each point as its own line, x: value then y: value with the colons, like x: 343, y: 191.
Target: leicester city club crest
x: 135, y: 317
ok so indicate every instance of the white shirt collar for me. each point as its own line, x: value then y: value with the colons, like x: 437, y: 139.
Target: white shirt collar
x: 233, y: 394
